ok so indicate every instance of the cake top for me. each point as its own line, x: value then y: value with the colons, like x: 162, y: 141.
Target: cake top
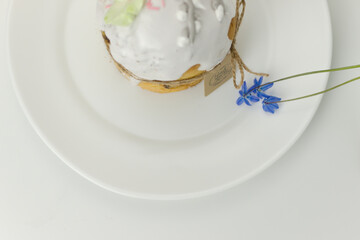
x: 162, y: 39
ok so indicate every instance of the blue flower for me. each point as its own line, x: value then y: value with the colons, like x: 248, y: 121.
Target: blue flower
x: 256, y: 85
x: 255, y: 93
x: 270, y: 104
x: 246, y: 96
x: 259, y: 90
x: 262, y: 95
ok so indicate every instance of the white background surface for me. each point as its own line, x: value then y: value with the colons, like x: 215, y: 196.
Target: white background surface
x: 311, y: 193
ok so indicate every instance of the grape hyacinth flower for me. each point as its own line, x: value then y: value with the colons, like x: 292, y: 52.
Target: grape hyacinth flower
x: 259, y: 89
x: 246, y: 96
x: 271, y: 103
x: 257, y: 92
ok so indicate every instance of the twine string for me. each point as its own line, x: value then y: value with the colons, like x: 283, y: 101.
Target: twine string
x: 235, y: 57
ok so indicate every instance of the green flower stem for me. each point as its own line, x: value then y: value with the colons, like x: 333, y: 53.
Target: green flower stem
x: 322, y: 92
x: 317, y: 72
x: 313, y: 72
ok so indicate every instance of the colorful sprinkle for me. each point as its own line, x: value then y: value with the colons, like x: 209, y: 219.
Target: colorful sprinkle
x: 150, y: 5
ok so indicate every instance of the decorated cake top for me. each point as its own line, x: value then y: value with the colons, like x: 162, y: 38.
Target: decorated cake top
x: 162, y: 39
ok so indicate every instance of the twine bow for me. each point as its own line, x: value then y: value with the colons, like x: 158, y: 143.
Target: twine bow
x: 235, y: 57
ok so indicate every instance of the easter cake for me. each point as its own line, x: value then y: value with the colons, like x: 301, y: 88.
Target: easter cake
x: 168, y: 45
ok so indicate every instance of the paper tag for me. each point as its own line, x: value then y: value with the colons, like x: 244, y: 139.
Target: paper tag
x: 218, y: 76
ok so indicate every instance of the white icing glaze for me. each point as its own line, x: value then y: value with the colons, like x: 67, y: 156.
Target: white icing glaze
x: 219, y: 12
x: 198, y: 4
x: 218, y: 7
x: 183, y: 41
x: 164, y: 44
x: 181, y: 15
x: 197, y: 26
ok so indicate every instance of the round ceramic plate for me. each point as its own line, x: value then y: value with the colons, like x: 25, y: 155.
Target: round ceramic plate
x: 154, y: 146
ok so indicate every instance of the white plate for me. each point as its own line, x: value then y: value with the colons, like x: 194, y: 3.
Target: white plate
x: 153, y: 146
